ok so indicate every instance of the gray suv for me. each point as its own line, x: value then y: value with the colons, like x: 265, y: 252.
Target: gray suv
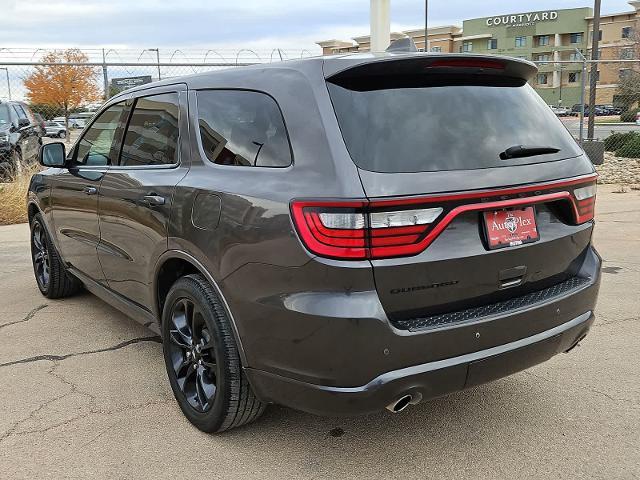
x: 337, y: 235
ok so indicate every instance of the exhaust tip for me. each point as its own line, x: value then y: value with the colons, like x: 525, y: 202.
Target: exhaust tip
x: 400, y: 404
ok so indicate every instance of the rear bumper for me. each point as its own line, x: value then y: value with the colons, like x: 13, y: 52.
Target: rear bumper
x: 425, y: 381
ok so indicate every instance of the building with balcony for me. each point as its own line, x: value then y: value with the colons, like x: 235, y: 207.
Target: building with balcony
x: 545, y: 37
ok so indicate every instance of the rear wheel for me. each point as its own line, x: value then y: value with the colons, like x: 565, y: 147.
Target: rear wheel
x: 51, y: 276
x: 202, y: 359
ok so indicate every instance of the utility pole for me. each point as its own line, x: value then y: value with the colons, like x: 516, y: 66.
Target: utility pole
x: 157, y: 50
x: 6, y: 71
x: 380, y: 25
x: 594, y: 68
x: 426, y: 22
x: 105, y: 76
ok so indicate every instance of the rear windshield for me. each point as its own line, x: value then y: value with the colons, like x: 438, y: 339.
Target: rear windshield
x: 445, y: 126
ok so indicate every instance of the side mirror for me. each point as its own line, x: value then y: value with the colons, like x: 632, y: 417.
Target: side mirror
x: 23, y: 122
x: 53, y: 155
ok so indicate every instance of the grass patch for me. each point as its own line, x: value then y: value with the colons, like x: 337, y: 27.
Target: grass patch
x: 13, y: 197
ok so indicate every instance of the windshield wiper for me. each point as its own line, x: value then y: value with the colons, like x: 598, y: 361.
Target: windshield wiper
x: 520, y: 151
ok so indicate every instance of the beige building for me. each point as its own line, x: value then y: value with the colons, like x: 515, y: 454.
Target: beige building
x: 619, y: 40
x: 441, y: 39
x: 558, y: 35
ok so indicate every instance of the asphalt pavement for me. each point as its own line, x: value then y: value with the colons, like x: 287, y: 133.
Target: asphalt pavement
x: 83, y: 394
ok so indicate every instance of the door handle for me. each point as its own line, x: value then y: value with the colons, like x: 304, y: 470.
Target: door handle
x: 90, y: 190
x: 154, y: 200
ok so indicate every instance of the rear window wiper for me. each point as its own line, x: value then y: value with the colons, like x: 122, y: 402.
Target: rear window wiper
x: 520, y: 151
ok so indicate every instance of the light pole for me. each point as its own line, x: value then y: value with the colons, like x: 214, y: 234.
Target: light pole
x: 157, y: 58
x: 6, y: 71
x: 594, y: 69
x: 426, y: 21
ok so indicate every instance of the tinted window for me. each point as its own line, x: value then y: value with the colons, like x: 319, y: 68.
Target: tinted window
x: 5, y: 118
x: 242, y: 128
x: 446, y: 127
x: 22, y: 115
x: 97, y: 147
x: 152, y: 133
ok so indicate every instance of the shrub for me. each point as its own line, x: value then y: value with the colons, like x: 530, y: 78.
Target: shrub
x: 631, y: 149
x: 629, y: 115
x: 616, y: 140
x: 13, y: 197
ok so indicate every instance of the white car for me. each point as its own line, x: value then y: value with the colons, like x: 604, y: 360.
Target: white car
x: 560, y: 111
x: 55, y: 129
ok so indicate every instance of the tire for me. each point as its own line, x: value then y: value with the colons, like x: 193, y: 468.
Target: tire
x: 62, y: 134
x: 193, y: 370
x: 51, y: 275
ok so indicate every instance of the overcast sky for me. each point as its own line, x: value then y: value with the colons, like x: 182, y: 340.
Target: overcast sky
x: 231, y: 24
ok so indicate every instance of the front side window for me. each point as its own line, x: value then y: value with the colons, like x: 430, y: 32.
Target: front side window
x: 242, y: 128
x: 521, y: 42
x: 97, y: 146
x: 152, y: 133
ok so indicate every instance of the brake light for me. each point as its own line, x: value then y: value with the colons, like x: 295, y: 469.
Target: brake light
x: 467, y: 63
x: 358, y: 230
x: 585, y: 202
x: 362, y: 229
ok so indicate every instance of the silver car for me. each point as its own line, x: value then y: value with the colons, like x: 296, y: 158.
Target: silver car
x: 55, y: 129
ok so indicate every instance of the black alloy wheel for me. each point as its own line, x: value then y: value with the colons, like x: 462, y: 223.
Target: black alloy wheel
x: 202, y: 358
x: 52, y: 277
x: 193, y: 354
x: 40, y: 255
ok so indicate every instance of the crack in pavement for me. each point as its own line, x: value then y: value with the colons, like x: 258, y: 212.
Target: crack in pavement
x: 56, y: 358
x: 587, y: 388
x: 74, y: 389
x: 616, y: 321
x: 27, y: 317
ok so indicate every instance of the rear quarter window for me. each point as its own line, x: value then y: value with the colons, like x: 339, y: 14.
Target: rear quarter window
x: 242, y: 128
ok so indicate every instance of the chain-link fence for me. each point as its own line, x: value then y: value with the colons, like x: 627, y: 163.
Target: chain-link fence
x: 63, y: 88
x: 71, y: 84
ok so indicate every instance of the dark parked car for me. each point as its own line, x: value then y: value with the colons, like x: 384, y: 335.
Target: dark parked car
x: 20, y: 137
x: 337, y: 235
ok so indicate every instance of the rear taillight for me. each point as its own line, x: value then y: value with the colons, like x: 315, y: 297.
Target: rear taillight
x: 362, y: 229
x: 358, y: 230
x: 585, y: 202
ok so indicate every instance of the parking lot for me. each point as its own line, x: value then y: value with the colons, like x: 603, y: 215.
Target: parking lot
x: 83, y: 394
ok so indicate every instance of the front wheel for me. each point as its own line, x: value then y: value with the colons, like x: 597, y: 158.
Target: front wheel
x: 51, y: 275
x: 202, y: 359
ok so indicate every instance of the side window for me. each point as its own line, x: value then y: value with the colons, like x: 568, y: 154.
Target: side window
x: 96, y: 147
x: 242, y: 128
x: 22, y: 115
x: 152, y: 133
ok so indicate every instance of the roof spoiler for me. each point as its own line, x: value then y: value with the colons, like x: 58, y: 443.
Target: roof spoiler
x: 431, y: 64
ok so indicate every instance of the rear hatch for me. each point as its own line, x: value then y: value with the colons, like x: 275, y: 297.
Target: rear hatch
x: 477, y: 194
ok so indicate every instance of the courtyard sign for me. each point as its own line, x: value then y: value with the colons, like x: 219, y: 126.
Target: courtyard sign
x: 522, y: 19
